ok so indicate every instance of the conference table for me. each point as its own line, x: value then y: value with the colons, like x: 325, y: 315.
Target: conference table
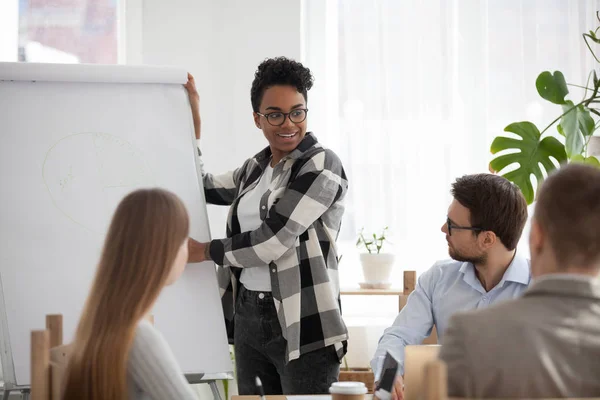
x: 297, y: 397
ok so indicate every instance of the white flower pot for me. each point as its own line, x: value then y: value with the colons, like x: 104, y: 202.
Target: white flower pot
x: 594, y: 146
x: 377, y: 268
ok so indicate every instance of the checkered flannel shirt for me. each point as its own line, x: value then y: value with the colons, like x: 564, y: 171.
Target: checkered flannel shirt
x: 301, y: 213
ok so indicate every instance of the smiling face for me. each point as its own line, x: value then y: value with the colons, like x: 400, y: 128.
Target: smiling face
x: 283, y: 139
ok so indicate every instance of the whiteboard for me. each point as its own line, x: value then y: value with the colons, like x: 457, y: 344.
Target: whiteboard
x: 74, y: 140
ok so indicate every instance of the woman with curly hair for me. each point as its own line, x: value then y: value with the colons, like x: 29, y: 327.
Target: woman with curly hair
x: 278, y: 265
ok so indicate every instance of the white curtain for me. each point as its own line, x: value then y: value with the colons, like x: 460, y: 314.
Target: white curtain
x: 411, y: 93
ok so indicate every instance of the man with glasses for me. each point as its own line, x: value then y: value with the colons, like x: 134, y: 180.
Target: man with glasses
x: 483, y: 226
x: 545, y: 344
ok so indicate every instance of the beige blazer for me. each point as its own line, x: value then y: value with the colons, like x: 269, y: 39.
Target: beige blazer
x: 544, y: 344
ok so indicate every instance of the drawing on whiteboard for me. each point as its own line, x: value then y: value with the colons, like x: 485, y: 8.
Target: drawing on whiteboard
x: 66, y: 180
x: 87, y: 174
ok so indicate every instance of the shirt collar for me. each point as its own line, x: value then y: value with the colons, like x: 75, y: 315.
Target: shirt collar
x: 572, y: 285
x: 566, y: 277
x: 468, y: 271
x: 518, y: 271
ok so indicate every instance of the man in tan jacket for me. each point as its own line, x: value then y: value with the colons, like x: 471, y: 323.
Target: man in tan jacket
x: 546, y: 343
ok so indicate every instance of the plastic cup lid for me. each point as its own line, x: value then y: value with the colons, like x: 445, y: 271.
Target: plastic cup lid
x: 348, y: 388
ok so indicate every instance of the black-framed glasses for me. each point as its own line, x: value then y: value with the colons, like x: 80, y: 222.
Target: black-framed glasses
x: 277, y: 118
x: 451, y: 225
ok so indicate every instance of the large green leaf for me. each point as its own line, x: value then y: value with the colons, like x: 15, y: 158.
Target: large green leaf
x: 569, y: 123
x: 586, y: 122
x: 591, y: 160
x: 532, y: 153
x: 552, y: 87
x: 578, y: 124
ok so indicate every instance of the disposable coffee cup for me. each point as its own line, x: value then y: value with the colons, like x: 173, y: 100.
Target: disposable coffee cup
x: 348, y: 391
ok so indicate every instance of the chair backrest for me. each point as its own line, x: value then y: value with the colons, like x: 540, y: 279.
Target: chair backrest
x: 40, y: 365
x: 59, y: 359
x: 435, y: 384
x: 435, y: 381
x: 47, y: 367
x: 49, y: 359
x: 415, y: 359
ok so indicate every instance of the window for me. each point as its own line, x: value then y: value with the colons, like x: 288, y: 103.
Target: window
x: 59, y: 31
x: 411, y: 93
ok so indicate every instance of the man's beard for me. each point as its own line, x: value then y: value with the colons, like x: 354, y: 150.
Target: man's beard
x: 475, y: 260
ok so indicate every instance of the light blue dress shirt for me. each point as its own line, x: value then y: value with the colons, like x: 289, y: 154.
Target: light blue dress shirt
x: 447, y: 287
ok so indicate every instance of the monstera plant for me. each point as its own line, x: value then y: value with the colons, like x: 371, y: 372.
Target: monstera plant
x: 534, y: 149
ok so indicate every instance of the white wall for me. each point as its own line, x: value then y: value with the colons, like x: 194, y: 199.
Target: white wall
x: 221, y: 43
x: 9, y: 39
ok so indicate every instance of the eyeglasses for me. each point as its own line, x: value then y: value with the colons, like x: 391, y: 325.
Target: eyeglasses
x: 277, y: 118
x: 451, y: 225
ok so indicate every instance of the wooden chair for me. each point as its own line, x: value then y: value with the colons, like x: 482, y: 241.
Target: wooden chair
x: 435, y: 383
x: 416, y: 358
x: 49, y: 359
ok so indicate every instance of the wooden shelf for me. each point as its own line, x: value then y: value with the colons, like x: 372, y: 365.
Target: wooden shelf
x: 379, y: 292
x: 410, y: 278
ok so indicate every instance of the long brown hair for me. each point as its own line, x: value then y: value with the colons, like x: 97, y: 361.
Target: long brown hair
x: 145, y: 235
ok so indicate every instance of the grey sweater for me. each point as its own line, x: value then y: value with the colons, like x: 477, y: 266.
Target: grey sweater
x: 153, y: 372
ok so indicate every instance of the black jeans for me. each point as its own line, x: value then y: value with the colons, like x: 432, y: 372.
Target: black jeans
x: 260, y: 351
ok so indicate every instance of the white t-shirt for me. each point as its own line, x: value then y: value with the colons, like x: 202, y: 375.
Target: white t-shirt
x: 255, y: 278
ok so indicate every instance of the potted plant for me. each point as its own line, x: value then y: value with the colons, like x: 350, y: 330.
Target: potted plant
x: 593, y: 147
x: 376, y: 265
x: 576, y: 124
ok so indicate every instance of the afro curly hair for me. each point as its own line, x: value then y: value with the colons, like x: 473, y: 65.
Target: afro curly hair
x: 279, y: 71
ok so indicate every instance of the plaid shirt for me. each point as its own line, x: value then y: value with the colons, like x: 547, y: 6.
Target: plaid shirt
x: 301, y: 213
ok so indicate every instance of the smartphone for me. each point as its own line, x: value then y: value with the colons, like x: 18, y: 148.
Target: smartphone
x: 384, y: 389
